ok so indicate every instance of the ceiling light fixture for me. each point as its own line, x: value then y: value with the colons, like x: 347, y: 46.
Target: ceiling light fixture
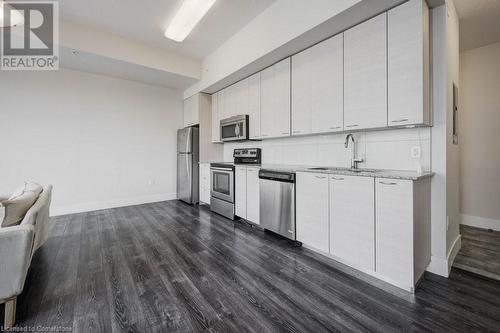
x: 186, y: 18
x: 16, y: 18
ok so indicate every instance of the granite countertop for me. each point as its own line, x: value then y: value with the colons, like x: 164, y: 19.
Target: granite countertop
x: 378, y: 173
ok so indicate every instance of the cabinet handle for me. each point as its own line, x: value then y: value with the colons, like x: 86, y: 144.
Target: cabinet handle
x: 320, y: 177
x: 296, y: 132
x: 356, y: 125
x: 337, y: 127
x: 388, y: 183
x: 399, y: 120
x: 285, y: 133
x: 337, y: 178
x: 263, y: 135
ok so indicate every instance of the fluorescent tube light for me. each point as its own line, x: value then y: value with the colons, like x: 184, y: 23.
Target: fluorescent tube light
x: 16, y: 18
x: 190, y: 13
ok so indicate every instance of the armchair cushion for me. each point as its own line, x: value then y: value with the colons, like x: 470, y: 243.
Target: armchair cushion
x: 15, y: 208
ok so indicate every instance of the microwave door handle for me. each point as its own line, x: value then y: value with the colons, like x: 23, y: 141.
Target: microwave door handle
x: 237, y: 130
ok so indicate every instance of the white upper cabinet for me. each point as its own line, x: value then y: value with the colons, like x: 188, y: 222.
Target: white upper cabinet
x: 215, y: 118
x: 317, y: 88
x: 365, y: 75
x: 218, y: 104
x: 312, y: 210
x: 230, y: 109
x: 408, y: 64
x: 253, y: 210
x: 191, y: 112
x: 352, y: 220
x: 301, y: 93
x: 275, y: 100
x: 254, y: 105
x: 242, y: 97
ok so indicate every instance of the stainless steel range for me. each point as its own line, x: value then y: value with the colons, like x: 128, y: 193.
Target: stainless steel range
x: 222, y: 180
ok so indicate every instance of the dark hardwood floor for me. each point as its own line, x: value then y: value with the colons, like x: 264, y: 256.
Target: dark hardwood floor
x: 170, y: 267
x: 480, y: 252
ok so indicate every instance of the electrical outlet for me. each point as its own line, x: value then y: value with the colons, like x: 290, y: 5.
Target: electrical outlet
x: 416, y: 152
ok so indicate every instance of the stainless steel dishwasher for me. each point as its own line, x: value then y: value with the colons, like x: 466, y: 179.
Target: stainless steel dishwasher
x: 277, y: 202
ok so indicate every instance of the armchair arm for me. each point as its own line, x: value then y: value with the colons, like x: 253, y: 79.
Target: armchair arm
x: 16, y: 245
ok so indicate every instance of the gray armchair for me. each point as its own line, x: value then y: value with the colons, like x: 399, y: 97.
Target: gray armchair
x: 17, y: 245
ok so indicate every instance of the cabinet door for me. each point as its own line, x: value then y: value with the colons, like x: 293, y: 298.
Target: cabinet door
x: 195, y: 110
x: 282, y: 112
x: 242, y: 97
x: 365, y: 75
x: 394, y: 231
x: 240, y: 193
x: 254, y: 105
x: 230, y: 102
x: 327, y: 85
x: 205, y: 183
x: 408, y: 64
x: 215, y: 118
x: 187, y: 113
x: 253, y: 211
x: 275, y: 100
x: 352, y: 220
x: 301, y: 93
x: 312, y: 210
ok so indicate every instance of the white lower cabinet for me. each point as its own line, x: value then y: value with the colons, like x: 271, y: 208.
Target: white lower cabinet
x: 379, y: 226
x: 253, y: 211
x: 205, y: 183
x: 402, y: 230
x: 312, y: 210
x: 352, y: 220
x: 247, y: 193
x: 240, y: 193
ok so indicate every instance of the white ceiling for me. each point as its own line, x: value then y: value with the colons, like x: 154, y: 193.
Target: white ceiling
x: 146, y: 20
x: 479, y: 22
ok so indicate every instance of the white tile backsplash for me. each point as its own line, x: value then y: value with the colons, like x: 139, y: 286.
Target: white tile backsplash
x: 387, y: 149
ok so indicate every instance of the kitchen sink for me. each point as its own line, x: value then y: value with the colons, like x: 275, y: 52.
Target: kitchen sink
x: 319, y: 169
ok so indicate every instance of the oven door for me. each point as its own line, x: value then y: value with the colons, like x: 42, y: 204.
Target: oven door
x: 222, y: 184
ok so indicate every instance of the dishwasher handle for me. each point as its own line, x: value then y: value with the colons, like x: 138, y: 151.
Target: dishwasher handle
x: 279, y: 176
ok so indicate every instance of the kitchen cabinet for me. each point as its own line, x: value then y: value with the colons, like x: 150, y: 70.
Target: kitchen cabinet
x: 230, y: 102
x: 312, y: 210
x: 242, y: 97
x: 408, y: 64
x: 365, y: 75
x: 317, y: 88
x: 205, y: 183
x: 402, y: 230
x: 191, y: 111
x: 352, y: 220
x: 275, y: 100
x: 253, y: 211
x: 254, y: 106
x: 247, y: 193
x: 240, y: 193
x: 218, y: 105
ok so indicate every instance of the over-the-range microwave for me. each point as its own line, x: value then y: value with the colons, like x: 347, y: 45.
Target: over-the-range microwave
x: 234, y: 128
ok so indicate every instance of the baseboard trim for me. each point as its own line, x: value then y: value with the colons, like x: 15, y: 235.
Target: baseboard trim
x: 457, y: 244
x: 93, y: 206
x: 480, y: 222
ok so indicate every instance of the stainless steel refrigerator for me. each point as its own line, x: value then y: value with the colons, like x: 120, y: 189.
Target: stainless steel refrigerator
x: 187, y: 164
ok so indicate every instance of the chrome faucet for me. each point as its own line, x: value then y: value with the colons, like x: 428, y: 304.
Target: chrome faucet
x: 354, y: 160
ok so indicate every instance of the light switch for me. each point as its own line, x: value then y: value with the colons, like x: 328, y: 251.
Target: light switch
x: 416, y: 152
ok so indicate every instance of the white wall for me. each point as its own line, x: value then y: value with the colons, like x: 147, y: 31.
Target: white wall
x: 388, y: 149
x: 101, y: 142
x: 479, y: 136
